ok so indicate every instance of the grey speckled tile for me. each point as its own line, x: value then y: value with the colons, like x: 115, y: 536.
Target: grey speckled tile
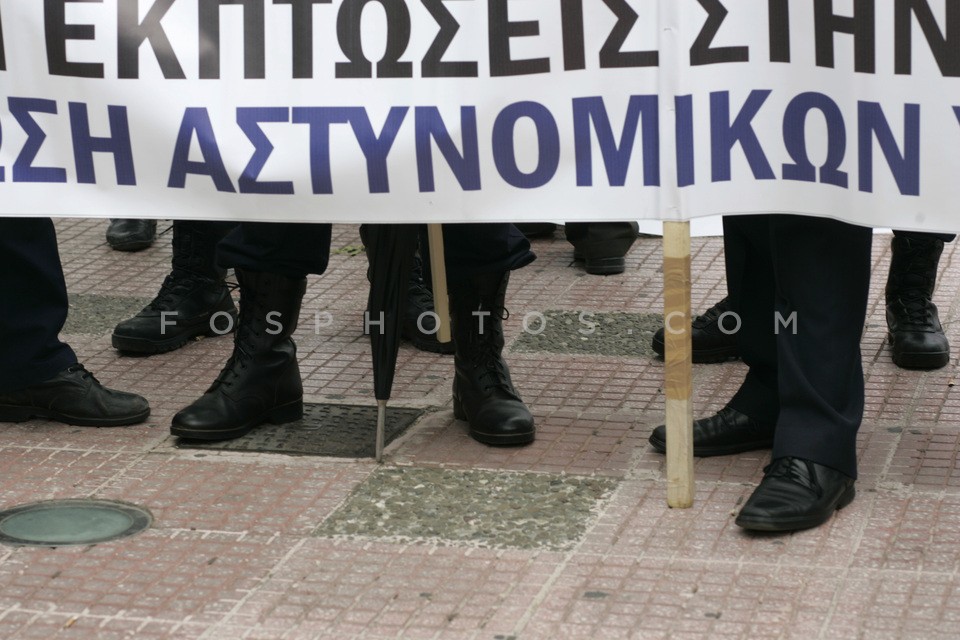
x: 487, y: 508
x: 585, y: 332
x: 95, y: 314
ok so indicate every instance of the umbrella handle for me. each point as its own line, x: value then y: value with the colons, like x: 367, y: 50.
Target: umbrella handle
x: 438, y: 270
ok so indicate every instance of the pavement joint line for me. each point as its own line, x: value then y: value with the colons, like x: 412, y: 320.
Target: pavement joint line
x: 224, y: 621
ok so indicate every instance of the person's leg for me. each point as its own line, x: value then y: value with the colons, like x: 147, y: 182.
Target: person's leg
x: 823, y: 279
x: 39, y: 374
x: 916, y: 337
x: 261, y: 380
x: 34, y: 303
x: 822, y: 270
x: 479, y: 258
x: 193, y: 300
x: 747, y: 422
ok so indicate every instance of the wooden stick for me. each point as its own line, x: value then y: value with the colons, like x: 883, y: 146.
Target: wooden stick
x: 438, y: 269
x: 678, y: 370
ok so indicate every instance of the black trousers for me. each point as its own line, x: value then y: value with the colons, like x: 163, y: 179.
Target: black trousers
x: 33, y: 304
x: 295, y: 249
x: 800, y: 285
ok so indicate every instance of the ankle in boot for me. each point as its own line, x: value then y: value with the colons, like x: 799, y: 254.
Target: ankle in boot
x: 917, y: 340
x: 483, y: 393
x: 193, y: 300
x: 419, y: 322
x: 260, y: 383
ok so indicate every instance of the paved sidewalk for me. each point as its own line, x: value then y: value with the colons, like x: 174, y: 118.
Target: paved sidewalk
x: 567, y: 538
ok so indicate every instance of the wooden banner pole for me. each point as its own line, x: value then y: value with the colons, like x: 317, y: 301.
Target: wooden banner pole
x: 438, y: 270
x: 678, y: 369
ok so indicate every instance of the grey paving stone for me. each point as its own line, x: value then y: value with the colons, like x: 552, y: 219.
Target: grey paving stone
x: 495, y: 509
x: 95, y: 314
x: 589, y: 333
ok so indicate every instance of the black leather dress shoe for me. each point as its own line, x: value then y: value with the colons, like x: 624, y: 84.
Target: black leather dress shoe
x: 725, y: 433
x: 75, y: 397
x: 796, y: 494
x: 125, y: 234
x: 710, y: 341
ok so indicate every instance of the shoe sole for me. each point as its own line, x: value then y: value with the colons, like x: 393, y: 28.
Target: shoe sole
x: 604, y: 266
x: 795, y: 524
x: 290, y: 412
x: 146, y: 346
x: 22, y: 414
x: 139, y: 245
x: 710, y: 452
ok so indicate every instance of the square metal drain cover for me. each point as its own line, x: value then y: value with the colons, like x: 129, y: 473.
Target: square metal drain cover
x: 335, y: 430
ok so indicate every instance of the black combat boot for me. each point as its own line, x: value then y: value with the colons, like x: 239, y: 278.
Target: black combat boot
x: 483, y: 393
x: 419, y: 321
x: 916, y: 337
x: 261, y: 380
x: 193, y: 300
x: 712, y: 339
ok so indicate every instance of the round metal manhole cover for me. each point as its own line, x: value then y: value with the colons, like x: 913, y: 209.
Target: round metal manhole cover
x: 60, y: 523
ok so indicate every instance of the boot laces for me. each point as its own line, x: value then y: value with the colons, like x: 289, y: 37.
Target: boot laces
x: 243, y: 339
x: 787, y: 469
x: 176, y: 285
x: 419, y: 296
x: 489, y: 356
x: 915, y: 307
x: 710, y: 316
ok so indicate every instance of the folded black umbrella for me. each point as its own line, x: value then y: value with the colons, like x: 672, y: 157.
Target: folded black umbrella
x: 390, y: 251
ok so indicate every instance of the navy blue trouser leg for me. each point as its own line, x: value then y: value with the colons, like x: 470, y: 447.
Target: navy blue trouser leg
x: 33, y: 304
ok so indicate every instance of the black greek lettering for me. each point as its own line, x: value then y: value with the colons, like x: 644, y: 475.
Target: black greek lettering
x: 611, y: 55
x: 57, y: 32
x: 944, y: 46
x: 131, y: 34
x: 861, y: 25
x: 571, y: 19
x: 701, y: 52
x: 779, y: 21
x: 349, y: 37
x: 501, y: 31
x: 254, y: 58
x: 433, y: 65
x: 301, y: 22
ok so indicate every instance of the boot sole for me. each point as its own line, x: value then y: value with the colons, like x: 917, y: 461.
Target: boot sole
x: 432, y: 346
x: 919, y: 360
x: 702, y: 356
x: 710, y: 452
x: 147, y: 346
x: 290, y: 412
x: 795, y: 524
x: 491, y: 438
x: 22, y: 414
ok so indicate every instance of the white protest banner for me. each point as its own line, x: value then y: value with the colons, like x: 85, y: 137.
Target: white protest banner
x: 467, y: 110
